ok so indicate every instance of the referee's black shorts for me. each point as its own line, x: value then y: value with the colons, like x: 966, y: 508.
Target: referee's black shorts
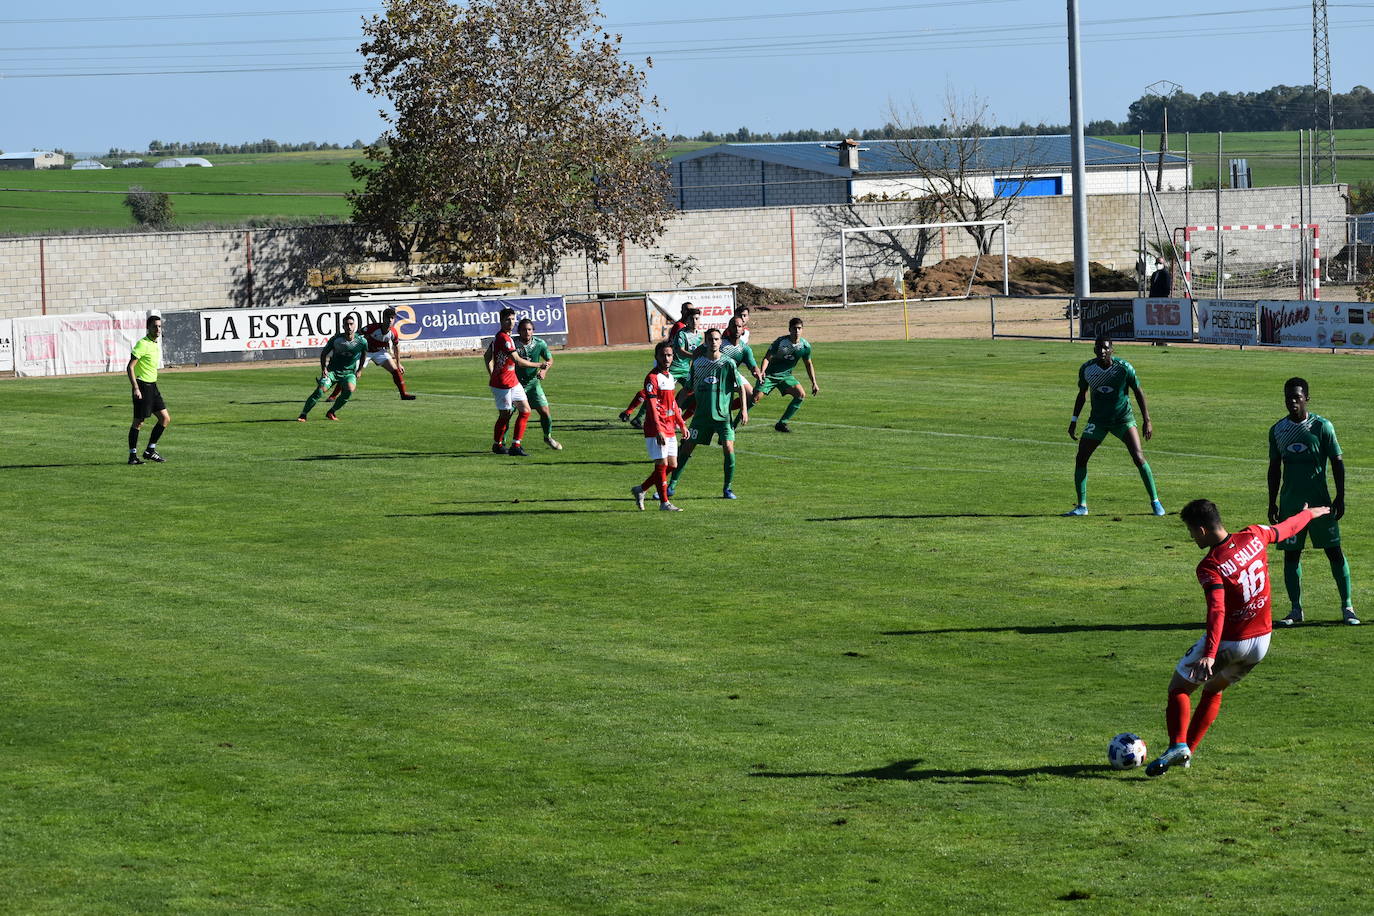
x: 150, y: 403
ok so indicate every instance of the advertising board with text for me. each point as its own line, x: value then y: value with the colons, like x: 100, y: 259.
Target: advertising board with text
x: 1227, y: 321
x: 459, y: 324
x: 6, y: 345
x: 1113, y: 318
x: 664, y: 308
x: 1163, y: 319
x: 75, y: 344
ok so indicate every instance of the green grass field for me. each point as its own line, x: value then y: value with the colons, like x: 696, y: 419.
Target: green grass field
x: 368, y: 666
x: 1272, y: 155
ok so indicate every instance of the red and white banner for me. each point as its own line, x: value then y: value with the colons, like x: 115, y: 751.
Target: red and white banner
x: 6, y: 345
x: 1163, y: 319
x: 664, y: 308
x: 76, y: 344
x: 1227, y: 321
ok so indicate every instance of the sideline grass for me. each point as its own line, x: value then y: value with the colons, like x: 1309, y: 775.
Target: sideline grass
x: 368, y: 666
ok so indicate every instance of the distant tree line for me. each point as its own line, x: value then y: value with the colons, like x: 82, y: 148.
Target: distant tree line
x: 211, y: 148
x: 1276, y: 108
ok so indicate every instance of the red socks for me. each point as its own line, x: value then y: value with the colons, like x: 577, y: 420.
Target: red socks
x: 399, y: 380
x: 498, y: 435
x: 521, y: 421
x: 1206, y: 714
x: 1176, y: 717
x: 657, y: 481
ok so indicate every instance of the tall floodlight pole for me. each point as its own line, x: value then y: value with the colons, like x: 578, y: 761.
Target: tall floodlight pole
x: 1324, y: 117
x: 1165, y: 90
x: 1081, y: 287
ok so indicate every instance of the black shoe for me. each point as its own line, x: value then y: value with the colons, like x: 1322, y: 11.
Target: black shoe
x: 150, y: 454
x: 782, y: 427
x: 498, y: 449
x: 407, y: 397
x: 134, y: 459
x: 515, y: 449
x: 636, y: 423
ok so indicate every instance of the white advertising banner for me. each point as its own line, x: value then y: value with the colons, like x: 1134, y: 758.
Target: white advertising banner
x: 1227, y: 321
x: 1352, y: 325
x: 6, y: 345
x: 1163, y: 319
x: 75, y: 344
x: 1290, y: 324
x: 664, y: 308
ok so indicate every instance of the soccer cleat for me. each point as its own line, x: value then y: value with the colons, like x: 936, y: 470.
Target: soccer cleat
x: 301, y: 419
x: 668, y: 507
x: 150, y: 454
x: 515, y: 449
x: 134, y: 459
x: 1294, y: 617
x: 1176, y: 754
x: 331, y: 415
x: 637, y: 423
x: 782, y: 427
x: 498, y: 449
x: 1077, y: 510
x: 407, y: 397
x: 624, y: 416
x: 1157, y: 507
x: 553, y: 443
x: 728, y: 494
x: 1349, y: 614
x: 638, y: 493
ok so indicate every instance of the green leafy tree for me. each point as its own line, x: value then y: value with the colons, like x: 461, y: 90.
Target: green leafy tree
x: 150, y: 209
x: 516, y: 135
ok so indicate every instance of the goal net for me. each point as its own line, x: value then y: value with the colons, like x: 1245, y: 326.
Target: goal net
x: 1276, y: 261
x: 878, y: 264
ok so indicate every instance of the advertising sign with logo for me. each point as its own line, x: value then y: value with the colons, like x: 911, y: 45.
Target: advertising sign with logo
x: 1291, y: 324
x: 6, y: 345
x: 422, y: 325
x: 1113, y: 318
x: 1351, y: 325
x: 1163, y: 319
x: 664, y: 308
x: 1227, y: 321
x: 75, y: 344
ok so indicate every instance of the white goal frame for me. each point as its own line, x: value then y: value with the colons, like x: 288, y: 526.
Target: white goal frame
x: 858, y: 230
x: 1313, y: 282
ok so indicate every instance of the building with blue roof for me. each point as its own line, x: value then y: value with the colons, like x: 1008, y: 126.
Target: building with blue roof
x: 797, y: 174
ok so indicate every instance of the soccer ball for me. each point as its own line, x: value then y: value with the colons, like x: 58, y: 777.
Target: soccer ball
x: 1126, y: 751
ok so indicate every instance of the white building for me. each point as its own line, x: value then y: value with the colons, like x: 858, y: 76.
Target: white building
x: 180, y: 162
x: 85, y: 165
x: 35, y: 159
x: 794, y: 174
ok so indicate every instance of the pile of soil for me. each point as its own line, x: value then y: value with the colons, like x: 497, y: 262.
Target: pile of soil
x: 759, y: 297
x: 1029, y: 277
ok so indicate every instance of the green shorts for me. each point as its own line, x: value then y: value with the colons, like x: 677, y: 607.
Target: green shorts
x: 1325, y: 531
x: 782, y: 382
x: 534, y: 393
x: 703, y: 429
x: 339, y: 377
x: 1098, y: 430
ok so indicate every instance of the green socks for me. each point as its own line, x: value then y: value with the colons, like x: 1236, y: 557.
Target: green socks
x: 1080, y: 484
x: 791, y: 410
x: 311, y: 401
x: 1292, y: 578
x: 729, y: 468
x: 1149, y: 480
x: 1341, y: 571
x: 546, y: 424
x: 342, y: 399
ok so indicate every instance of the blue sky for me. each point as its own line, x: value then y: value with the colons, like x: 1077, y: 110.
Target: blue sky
x: 719, y: 64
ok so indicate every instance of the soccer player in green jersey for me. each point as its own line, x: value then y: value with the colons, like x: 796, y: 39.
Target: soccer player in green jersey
x: 782, y: 357
x: 340, y: 360
x: 1110, y: 380
x: 1300, y: 446
x: 536, y: 352
x: 142, y: 372
x: 715, y: 381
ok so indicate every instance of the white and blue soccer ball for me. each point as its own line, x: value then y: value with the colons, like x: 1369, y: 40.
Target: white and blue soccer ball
x: 1126, y: 751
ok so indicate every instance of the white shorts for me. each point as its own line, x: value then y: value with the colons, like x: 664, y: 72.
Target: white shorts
x: 506, y: 397
x: 379, y: 357
x: 667, y: 450
x: 1235, y: 658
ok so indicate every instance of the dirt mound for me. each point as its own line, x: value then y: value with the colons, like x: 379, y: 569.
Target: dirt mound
x: 759, y: 297
x: 1029, y: 277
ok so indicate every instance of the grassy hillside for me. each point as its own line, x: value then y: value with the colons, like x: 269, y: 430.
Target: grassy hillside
x: 1272, y: 155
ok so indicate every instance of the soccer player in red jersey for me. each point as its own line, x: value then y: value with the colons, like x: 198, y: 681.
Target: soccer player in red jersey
x: 1235, y: 580
x: 384, y: 349
x: 501, y: 359
x: 662, y: 420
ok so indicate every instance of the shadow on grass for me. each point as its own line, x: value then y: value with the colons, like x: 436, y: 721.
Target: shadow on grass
x: 261, y: 403
x: 906, y: 771
x: 866, y: 518
x: 236, y: 422
x: 385, y: 456
x: 531, y: 502
x: 478, y: 513
x: 1046, y: 629
x: 77, y: 464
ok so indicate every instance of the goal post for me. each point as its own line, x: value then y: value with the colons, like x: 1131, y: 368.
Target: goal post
x: 1263, y: 260
x: 1000, y: 226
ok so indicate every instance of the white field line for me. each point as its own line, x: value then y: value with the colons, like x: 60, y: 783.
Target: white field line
x: 929, y: 432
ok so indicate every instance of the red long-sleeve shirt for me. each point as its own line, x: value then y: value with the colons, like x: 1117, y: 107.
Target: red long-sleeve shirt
x: 663, y: 418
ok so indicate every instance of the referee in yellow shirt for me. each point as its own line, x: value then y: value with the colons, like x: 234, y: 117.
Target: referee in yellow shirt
x: 142, y: 370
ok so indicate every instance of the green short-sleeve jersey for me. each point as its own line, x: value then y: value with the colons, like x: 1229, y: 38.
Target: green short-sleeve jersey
x: 714, y: 381
x: 684, y: 341
x: 1109, y: 390
x: 536, y: 351
x: 1304, y: 448
x: 147, y: 355
x: 344, y: 353
x: 740, y: 353
x: 783, y: 355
